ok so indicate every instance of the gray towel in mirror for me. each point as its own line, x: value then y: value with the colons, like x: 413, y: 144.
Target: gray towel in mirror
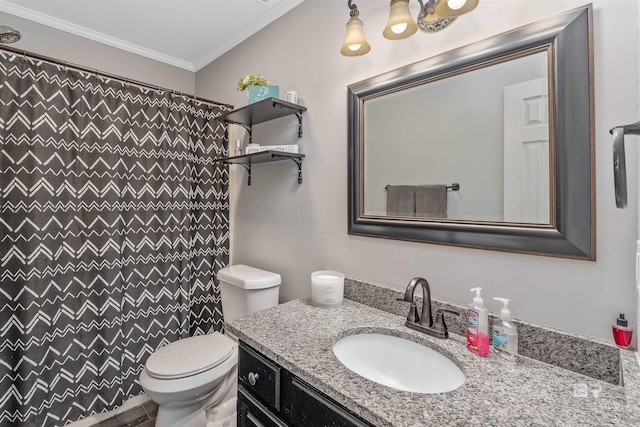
x: 431, y: 201
x: 401, y: 200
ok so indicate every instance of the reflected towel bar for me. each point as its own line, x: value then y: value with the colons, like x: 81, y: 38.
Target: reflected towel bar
x: 455, y: 186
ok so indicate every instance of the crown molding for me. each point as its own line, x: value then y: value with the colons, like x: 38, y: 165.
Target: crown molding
x: 248, y: 30
x: 218, y: 49
x: 87, y: 33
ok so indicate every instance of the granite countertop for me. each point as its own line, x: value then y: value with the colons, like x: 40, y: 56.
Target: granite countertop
x: 299, y: 337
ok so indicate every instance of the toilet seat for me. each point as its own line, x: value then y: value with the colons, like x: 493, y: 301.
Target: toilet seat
x: 189, y: 356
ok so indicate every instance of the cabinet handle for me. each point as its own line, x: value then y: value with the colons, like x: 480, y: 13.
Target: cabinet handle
x: 253, y: 378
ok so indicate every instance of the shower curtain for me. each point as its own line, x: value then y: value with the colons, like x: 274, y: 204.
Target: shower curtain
x: 113, y: 225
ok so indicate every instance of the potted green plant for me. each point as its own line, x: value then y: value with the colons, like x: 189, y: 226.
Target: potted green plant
x: 252, y: 80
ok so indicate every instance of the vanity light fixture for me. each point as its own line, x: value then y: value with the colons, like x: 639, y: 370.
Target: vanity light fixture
x: 434, y: 15
x: 355, y: 43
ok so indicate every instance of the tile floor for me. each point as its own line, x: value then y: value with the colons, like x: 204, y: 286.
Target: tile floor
x: 140, y: 416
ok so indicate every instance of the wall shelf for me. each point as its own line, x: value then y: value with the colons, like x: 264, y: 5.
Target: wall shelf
x: 263, y: 111
x: 246, y: 160
x: 260, y: 112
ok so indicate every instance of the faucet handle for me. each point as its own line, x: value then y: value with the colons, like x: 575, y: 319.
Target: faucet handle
x: 413, y: 311
x: 440, y: 325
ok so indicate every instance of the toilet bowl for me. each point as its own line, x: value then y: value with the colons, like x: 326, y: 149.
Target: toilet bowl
x: 189, y: 376
x: 194, y: 380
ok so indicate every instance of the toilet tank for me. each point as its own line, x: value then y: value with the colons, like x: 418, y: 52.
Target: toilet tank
x: 245, y: 290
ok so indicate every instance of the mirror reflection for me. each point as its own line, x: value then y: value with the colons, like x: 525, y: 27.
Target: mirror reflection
x: 472, y: 145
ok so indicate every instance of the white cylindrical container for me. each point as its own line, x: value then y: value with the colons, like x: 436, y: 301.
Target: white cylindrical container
x: 291, y: 96
x: 327, y: 288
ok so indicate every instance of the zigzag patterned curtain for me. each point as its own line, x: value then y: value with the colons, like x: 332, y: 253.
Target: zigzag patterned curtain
x: 113, y: 225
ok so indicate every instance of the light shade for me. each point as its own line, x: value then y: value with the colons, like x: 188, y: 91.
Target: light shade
x: 401, y: 25
x: 454, y: 8
x: 355, y: 43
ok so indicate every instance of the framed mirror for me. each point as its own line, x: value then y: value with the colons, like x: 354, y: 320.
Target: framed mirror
x: 488, y: 146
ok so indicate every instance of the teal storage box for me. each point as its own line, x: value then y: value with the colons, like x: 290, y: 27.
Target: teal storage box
x: 258, y: 93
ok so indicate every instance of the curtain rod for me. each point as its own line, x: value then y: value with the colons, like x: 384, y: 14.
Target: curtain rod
x: 108, y: 75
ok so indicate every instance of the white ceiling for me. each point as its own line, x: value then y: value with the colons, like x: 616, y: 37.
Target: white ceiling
x: 185, y: 33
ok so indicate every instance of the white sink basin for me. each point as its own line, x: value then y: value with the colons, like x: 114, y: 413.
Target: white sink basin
x: 398, y: 363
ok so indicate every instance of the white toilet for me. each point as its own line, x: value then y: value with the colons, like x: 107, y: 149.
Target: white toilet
x: 194, y: 380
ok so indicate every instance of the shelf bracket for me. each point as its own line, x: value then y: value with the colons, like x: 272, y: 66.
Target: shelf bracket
x: 296, y: 112
x: 299, y: 116
x: 248, y: 168
x: 295, y: 160
x: 247, y: 127
x: 299, y: 163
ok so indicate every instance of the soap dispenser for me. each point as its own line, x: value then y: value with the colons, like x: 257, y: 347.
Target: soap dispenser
x: 622, y: 333
x: 505, y: 333
x: 478, y: 326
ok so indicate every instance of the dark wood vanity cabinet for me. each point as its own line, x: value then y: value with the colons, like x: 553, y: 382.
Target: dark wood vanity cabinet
x: 271, y: 396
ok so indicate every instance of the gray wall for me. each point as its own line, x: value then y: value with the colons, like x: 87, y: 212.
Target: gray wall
x: 48, y: 41
x: 295, y: 229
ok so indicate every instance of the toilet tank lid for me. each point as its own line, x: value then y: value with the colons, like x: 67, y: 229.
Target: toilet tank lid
x: 246, y: 277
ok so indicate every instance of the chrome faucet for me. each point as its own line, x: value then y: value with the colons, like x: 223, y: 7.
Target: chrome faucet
x: 424, y: 322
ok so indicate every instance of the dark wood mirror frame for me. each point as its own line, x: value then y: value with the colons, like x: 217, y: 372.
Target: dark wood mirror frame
x: 569, y: 38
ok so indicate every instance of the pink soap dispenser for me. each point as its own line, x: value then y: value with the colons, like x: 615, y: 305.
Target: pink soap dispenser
x: 622, y: 333
x: 478, y: 326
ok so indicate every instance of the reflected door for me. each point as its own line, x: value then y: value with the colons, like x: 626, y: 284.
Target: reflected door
x: 526, y: 152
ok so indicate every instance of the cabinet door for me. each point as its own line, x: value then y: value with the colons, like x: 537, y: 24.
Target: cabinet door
x: 252, y: 413
x: 310, y: 408
x: 259, y: 375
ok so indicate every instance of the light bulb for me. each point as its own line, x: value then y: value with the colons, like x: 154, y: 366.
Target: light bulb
x: 354, y: 47
x: 399, y: 28
x: 456, y: 4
